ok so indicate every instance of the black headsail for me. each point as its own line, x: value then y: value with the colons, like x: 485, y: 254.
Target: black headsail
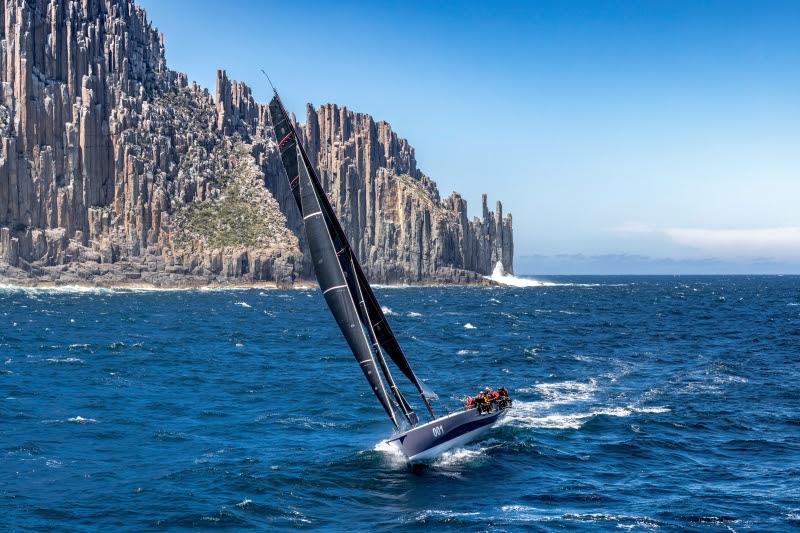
x: 297, y: 166
x: 335, y: 289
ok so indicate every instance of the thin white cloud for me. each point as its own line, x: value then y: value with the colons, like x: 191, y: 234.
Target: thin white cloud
x: 780, y: 242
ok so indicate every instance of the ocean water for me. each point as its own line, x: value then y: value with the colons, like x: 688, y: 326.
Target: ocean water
x: 642, y: 403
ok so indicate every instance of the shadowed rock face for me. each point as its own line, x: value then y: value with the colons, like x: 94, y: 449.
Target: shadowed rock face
x: 113, y: 167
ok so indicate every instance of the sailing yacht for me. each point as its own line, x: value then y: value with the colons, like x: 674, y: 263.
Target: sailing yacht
x: 360, y: 317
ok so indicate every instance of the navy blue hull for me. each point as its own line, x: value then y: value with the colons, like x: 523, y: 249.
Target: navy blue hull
x: 437, y: 436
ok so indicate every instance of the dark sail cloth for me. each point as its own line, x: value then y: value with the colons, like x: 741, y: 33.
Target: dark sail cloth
x: 340, y: 275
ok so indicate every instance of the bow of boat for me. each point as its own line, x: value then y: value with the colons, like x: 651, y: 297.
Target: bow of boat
x: 429, y: 440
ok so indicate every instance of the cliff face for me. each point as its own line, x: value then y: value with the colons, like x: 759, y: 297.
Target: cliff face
x: 113, y: 167
x: 397, y: 223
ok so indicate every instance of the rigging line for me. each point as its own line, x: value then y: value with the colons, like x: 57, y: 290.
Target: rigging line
x: 269, y: 80
x: 335, y: 227
x: 408, y: 412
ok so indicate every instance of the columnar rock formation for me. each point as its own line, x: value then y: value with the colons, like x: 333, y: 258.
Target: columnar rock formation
x: 397, y: 222
x: 113, y: 167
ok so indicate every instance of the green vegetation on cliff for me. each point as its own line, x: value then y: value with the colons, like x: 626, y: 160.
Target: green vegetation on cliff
x: 244, y: 213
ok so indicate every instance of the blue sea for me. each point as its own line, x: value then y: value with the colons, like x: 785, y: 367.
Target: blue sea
x: 641, y: 404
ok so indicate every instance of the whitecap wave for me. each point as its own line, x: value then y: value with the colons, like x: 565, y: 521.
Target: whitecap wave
x: 442, y: 515
x: 79, y: 346
x: 65, y: 360
x: 414, y: 314
x: 80, y: 420
x: 387, y: 310
x: 651, y: 410
x: 469, y: 326
x: 244, y: 304
x: 532, y: 514
x: 561, y: 392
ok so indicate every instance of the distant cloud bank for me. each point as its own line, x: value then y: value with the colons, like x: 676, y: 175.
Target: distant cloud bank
x: 610, y: 264
x: 774, y: 250
x: 781, y: 243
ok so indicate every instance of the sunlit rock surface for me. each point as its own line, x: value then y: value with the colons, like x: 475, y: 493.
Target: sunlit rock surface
x: 114, y: 168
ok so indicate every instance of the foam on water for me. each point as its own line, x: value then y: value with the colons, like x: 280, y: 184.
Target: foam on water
x: 80, y: 420
x: 391, y: 453
x: 79, y: 346
x: 244, y: 304
x: 564, y: 391
x: 499, y: 276
x: 64, y: 360
x: 443, y: 516
x: 645, y: 410
x: 469, y: 326
x: 531, y: 415
x: 459, y: 456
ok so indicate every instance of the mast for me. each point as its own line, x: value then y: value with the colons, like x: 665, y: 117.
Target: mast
x: 296, y: 162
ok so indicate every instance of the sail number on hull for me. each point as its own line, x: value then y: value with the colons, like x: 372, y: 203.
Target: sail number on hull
x: 438, y: 431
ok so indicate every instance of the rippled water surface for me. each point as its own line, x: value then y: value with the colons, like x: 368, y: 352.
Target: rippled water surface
x: 646, y: 403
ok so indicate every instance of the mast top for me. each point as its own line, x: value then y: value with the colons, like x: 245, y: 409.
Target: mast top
x: 274, y: 90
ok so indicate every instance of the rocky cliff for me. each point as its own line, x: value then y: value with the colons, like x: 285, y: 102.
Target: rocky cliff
x: 113, y: 167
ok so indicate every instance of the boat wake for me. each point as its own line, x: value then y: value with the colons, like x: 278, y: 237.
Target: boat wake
x: 394, y: 457
x: 569, y: 405
x: 450, y: 459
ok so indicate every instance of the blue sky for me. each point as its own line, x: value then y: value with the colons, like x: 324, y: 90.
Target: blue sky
x: 664, y: 129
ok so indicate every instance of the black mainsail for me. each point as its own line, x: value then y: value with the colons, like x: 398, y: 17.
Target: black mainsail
x: 341, y: 278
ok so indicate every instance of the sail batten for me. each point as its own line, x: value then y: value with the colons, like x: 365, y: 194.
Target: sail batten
x: 322, y: 226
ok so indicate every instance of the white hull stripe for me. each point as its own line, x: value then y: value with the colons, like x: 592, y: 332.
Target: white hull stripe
x: 312, y: 214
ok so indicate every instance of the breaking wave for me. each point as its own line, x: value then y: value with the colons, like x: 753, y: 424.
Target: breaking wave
x: 499, y: 276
